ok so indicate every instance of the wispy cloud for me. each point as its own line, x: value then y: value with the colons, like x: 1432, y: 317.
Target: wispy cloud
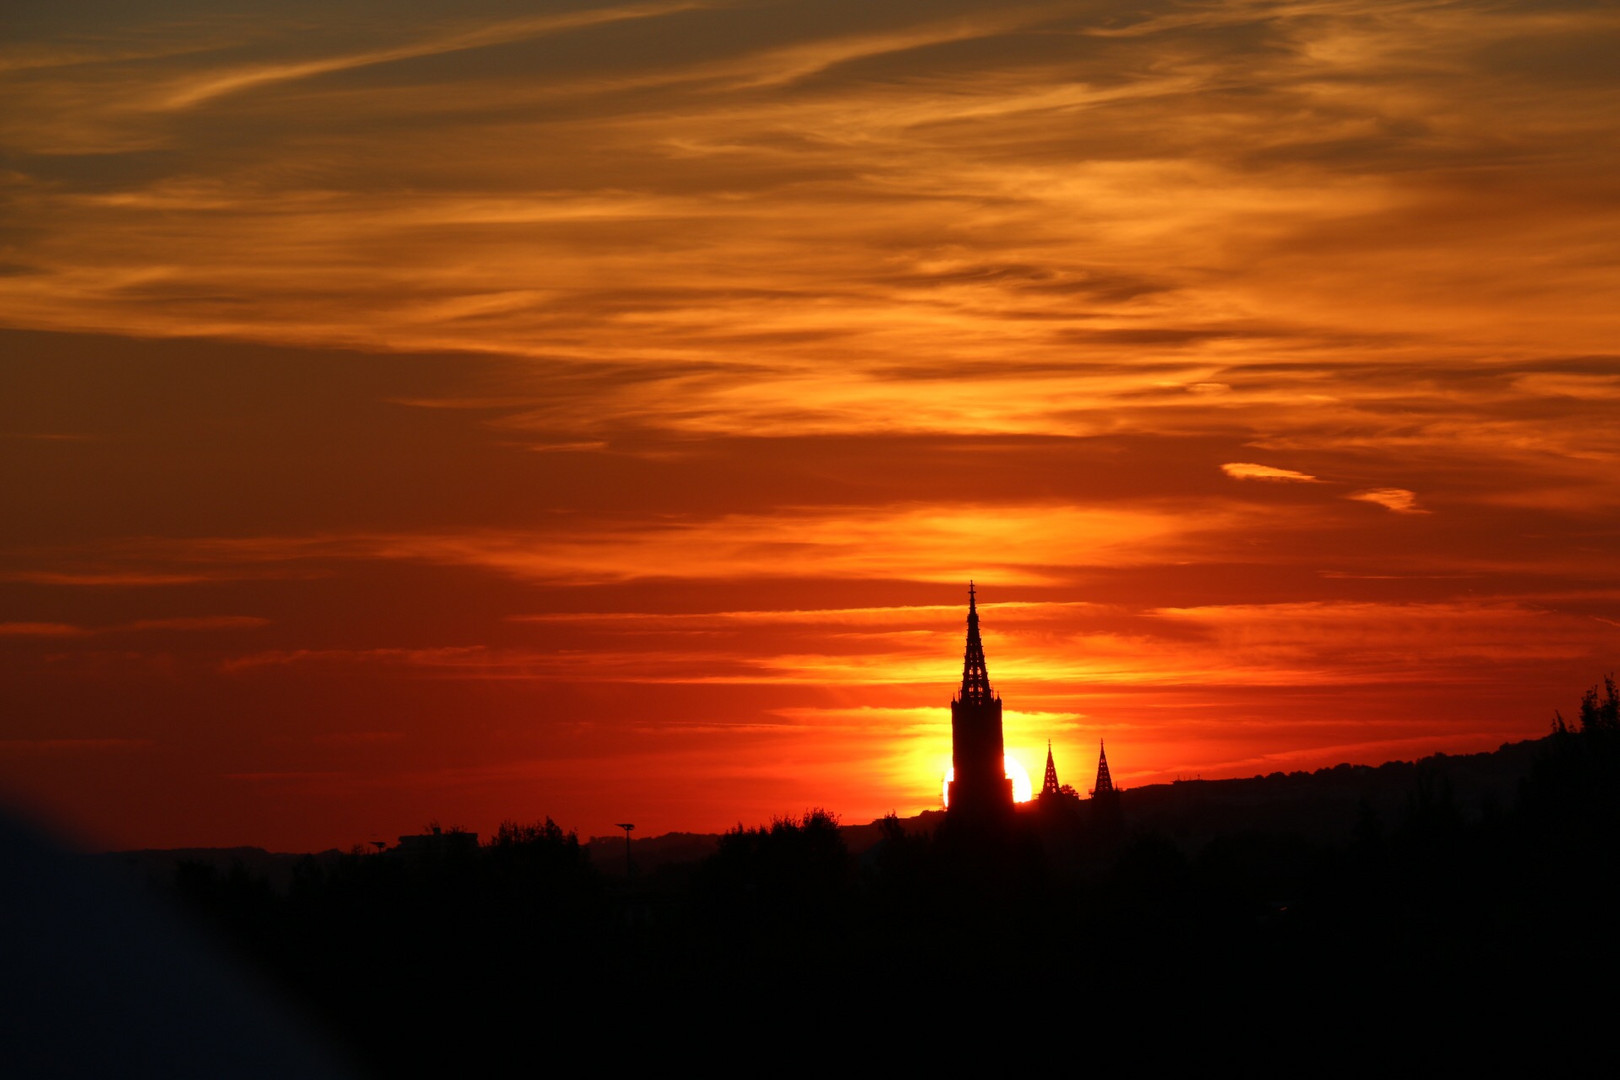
x: 198, y: 89
x: 70, y: 747
x: 186, y: 623
x: 40, y: 629
x: 909, y: 615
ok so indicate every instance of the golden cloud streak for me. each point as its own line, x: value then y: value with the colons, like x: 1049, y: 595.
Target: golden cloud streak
x: 904, y: 616
x: 1397, y: 499
x: 1240, y: 470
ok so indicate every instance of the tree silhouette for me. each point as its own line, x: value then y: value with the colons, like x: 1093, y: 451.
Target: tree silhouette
x: 1601, y: 715
x: 789, y: 863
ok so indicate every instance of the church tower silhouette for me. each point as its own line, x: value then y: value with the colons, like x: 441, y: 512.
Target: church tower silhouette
x: 981, y: 788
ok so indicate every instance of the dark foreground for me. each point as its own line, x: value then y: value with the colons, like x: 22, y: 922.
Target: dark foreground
x: 1216, y: 922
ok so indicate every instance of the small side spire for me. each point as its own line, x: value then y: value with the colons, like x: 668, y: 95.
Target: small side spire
x: 1049, y: 787
x: 1105, y: 782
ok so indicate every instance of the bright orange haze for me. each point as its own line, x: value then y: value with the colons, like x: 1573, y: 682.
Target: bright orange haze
x: 599, y: 413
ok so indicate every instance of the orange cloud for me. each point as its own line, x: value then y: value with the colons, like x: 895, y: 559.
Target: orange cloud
x: 39, y: 629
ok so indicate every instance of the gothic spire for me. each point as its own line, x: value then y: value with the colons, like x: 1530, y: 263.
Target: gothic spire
x: 1105, y: 783
x: 975, y: 677
x: 1049, y: 786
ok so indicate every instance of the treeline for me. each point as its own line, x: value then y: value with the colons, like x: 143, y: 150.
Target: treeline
x: 470, y: 959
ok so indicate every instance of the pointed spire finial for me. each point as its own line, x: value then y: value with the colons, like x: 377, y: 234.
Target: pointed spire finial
x: 975, y: 676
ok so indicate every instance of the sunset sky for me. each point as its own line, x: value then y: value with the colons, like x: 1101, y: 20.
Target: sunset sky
x: 495, y: 410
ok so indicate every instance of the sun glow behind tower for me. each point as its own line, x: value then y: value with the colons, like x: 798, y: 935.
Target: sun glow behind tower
x: 980, y: 786
x: 1023, y: 789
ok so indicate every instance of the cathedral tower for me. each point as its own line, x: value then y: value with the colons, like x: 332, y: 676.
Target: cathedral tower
x: 981, y: 788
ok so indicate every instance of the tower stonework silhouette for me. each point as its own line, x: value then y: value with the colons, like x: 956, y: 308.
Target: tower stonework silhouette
x: 981, y: 788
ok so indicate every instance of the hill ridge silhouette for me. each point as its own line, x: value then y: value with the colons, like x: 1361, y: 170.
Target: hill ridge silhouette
x: 1323, y: 804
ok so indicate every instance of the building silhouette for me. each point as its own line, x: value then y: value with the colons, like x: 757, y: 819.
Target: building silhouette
x: 981, y: 789
x: 436, y: 846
